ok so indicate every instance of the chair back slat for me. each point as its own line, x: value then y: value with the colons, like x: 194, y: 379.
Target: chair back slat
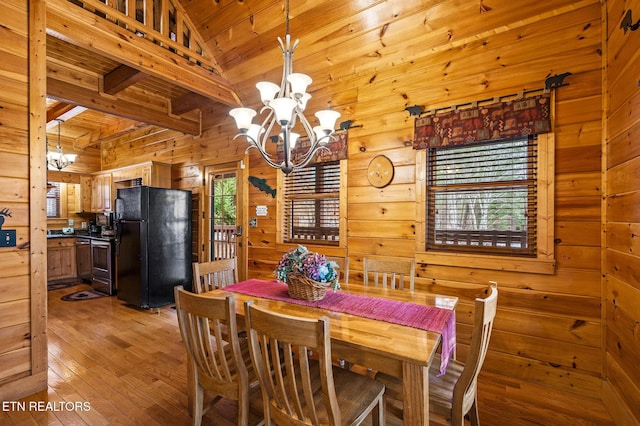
x: 343, y: 267
x: 216, y: 274
x: 390, y: 273
x: 280, y: 344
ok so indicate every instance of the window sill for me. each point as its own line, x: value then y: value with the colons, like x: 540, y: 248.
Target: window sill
x: 317, y: 248
x: 497, y: 263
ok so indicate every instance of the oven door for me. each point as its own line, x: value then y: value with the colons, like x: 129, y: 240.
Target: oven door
x: 101, y: 259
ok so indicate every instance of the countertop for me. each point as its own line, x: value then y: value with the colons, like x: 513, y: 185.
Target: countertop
x: 80, y: 234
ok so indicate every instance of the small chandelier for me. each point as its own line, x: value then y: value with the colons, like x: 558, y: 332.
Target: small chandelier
x: 57, y: 160
x: 285, y: 105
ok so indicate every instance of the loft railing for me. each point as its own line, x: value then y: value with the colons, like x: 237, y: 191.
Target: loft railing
x: 159, y: 21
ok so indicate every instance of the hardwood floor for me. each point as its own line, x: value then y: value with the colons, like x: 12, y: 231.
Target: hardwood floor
x: 115, y: 364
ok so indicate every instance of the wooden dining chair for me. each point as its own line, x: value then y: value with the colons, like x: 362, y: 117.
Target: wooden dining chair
x: 302, y: 391
x: 217, y: 363
x: 215, y: 274
x: 390, y: 273
x: 454, y: 394
x: 343, y: 267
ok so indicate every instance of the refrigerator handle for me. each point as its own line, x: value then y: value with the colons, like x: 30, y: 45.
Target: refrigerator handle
x: 118, y: 208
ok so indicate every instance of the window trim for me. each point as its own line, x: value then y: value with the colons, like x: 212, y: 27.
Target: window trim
x: 324, y: 248
x: 544, y: 261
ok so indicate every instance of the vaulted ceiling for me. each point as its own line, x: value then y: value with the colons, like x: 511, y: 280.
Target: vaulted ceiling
x: 129, y: 81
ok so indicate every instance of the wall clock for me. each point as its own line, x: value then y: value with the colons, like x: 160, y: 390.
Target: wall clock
x: 380, y: 171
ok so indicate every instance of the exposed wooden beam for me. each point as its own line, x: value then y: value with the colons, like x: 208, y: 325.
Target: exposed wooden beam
x: 121, y: 78
x: 89, y: 98
x: 84, y: 29
x: 108, y: 133
x: 188, y: 102
x: 58, y: 109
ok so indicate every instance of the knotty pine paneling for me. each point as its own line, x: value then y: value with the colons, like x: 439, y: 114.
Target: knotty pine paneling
x: 438, y: 55
x: 578, y: 233
x: 622, y: 197
x: 623, y: 146
x: 578, y: 135
x: 574, y: 282
x: 22, y: 323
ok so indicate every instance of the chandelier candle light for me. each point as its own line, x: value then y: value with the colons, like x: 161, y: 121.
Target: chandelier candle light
x: 56, y: 160
x: 285, y: 105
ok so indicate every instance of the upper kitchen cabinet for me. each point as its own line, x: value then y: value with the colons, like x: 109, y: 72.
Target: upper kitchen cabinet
x: 101, y: 192
x: 149, y: 174
x: 102, y: 186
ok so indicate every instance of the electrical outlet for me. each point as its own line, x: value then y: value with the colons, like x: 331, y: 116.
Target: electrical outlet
x: 71, y: 222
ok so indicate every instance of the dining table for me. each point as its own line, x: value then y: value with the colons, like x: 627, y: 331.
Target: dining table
x: 373, y: 327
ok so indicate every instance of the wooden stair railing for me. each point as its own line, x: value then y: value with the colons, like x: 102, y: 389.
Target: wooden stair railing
x: 160, y: 21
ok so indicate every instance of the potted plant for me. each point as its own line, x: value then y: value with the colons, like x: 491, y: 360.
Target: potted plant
x: 307, y: 274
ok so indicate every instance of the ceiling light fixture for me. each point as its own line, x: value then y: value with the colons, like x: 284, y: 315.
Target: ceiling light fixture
x: 285, y: 105
x: 57, y: 160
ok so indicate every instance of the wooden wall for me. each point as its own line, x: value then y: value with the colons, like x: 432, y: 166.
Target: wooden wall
x: 622, y: 217
x: 546, y: 360
x: 547, y: 347
x: 23, y: 350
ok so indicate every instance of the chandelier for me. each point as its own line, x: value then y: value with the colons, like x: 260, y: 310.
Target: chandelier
x: 57, y: 160
x: 285, y: 105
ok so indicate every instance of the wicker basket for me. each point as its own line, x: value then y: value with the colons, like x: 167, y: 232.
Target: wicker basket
x: 304, y: 288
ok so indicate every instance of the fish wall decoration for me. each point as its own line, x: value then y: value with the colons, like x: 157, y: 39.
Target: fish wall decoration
x: 262, y: 185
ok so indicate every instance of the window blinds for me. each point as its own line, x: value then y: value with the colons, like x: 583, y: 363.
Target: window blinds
x: 312, y: 204
x: 482, y: 197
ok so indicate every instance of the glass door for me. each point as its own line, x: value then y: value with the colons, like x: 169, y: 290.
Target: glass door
x: 223, y: 216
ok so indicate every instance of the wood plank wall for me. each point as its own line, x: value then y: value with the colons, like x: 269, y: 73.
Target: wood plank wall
x: 23, y: 351
x: 548, y: 330
x: 546, y: 350
x: 622, y: 216
x: 548, y: 344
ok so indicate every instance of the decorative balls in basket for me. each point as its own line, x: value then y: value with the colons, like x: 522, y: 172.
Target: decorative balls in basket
x: 308, y: 275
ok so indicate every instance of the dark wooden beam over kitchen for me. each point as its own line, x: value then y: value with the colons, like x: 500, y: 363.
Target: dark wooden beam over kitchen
x: 121, y: 78
x: 68, y: 92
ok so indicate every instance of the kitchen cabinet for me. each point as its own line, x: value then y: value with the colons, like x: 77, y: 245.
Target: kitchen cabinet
x: 101, y: 192
x: 61, y: 259
x: 85, y: 194
x: 98, y: 190
x: 149, y: 174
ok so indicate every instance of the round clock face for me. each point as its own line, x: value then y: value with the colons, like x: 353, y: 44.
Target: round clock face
x: 380, y: 171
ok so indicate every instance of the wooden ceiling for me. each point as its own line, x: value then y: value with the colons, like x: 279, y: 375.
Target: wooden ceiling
x: 345, y: 45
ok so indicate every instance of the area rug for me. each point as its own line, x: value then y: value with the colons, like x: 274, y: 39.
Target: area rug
x: 59, y: 286
x: 83, y: 295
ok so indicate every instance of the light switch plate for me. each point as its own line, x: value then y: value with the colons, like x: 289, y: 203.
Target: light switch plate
x: 253, y: 222
x: 8, y: 238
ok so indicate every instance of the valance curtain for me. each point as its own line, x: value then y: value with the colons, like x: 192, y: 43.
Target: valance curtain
x: 501, y: 120
x: 337, y: 149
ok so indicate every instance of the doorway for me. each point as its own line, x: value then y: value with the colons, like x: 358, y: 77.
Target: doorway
x: 223, y: 214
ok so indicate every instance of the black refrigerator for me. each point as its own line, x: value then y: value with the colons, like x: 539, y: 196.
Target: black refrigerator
x: 153, y: 244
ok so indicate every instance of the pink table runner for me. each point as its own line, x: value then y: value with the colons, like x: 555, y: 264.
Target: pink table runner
x: 430, y: 318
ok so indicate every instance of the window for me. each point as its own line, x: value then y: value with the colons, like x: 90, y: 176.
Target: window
x: 53, y: 199
x: 312, y: 205
x: 483, y: 197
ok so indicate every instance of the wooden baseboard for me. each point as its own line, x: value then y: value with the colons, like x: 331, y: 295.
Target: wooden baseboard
x: 618, y: 410
x: 26, y: 386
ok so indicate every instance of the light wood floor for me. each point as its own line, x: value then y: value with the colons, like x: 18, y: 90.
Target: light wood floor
x: 127, y: 365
